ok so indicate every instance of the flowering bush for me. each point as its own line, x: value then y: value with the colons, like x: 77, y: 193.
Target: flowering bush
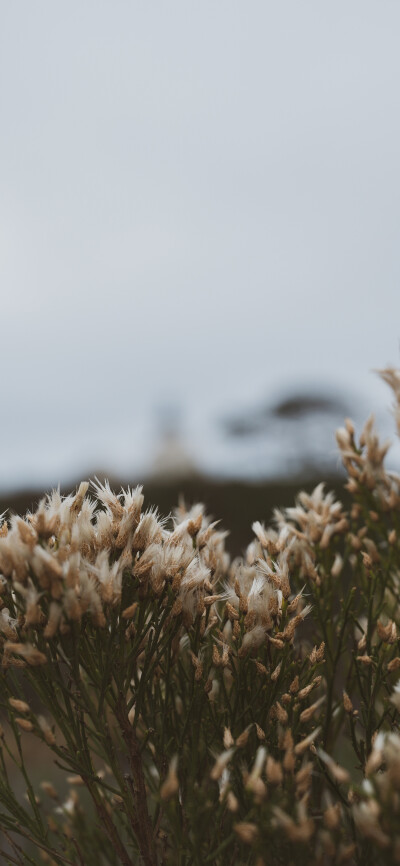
x: 200, y: 710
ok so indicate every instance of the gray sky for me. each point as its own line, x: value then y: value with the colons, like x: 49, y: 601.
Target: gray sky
x: 199, y: 204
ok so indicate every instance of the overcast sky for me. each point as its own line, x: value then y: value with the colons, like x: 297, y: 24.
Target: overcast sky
x: 199, y: 206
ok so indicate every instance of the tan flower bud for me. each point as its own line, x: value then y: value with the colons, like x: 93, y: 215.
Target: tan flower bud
x: 308, y: 713
x: 365, y: 660
x: 49, y: 789
x: 332, y: 816
x: 232, y: 612
x: 337, y: 565
x: 46, y: 731
x: 280, y: 713
x: 232, y: 802
x: 317, y: 654
x: 303, y: 693
x: 130, y: 611
x: 261, y: 668
x: 220, y: 764
x: 374, y: 762
x: 387, y: 633
x: 24, y: 724
x: 194, y: 525
x: 273, y: 771
x: 260, y: 733
x: 171, y: 784
x: 276, y: 672
x: 217, y: 659
x: 236, y: 630
x: 289, y: 760
x: 241, y: 740
x: 303, y: 779
x: 228, y: 739
x: 347, y: 703
x: 276, y: 642
x: 362, y: 643
x: 301, y: 747
x: 20, y: 706
x: 246, y: 831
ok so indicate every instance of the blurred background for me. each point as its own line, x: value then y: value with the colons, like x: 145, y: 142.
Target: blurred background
x: 199, y: 241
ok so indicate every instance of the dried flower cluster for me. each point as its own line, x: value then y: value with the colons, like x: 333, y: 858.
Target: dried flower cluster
x: 199, y: 710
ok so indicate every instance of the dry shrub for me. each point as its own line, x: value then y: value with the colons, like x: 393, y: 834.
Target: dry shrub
x: 202, y: 710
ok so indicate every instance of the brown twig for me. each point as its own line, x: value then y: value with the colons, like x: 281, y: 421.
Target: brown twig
x: 110, y: 827
x: 140, y: 820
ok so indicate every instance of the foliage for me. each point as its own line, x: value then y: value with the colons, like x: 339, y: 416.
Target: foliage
x: 201, y: 710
